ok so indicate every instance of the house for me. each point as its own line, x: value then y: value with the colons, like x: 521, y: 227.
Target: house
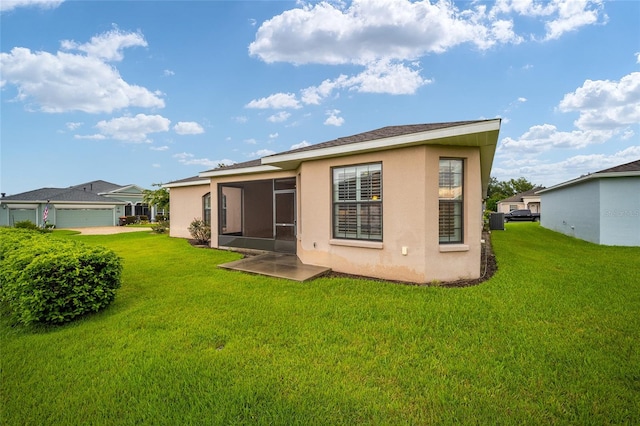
x: 96, y: 203
x: 400, y: 202
x: 524, y: 200
x: 601, y: 207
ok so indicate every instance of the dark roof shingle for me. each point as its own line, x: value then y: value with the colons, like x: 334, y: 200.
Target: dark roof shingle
x: 633, y: 166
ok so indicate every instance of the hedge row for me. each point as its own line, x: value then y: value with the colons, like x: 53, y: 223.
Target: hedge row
x: 49, y: 280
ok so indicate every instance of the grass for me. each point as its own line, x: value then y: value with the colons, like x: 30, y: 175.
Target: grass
x: 552, y: 338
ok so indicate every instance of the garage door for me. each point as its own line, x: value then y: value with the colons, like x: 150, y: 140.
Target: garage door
x: 78, y: 218
x: 20, y: 215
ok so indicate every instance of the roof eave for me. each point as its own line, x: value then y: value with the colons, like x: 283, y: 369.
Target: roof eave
x: 446, y: 136
x: 190, y: 183
x: 239, y: 171
x: 589, y: 177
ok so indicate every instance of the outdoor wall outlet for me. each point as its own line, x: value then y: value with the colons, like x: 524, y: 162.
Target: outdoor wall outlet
x: 405, y: 250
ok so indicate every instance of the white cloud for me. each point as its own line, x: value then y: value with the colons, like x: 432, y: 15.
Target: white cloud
x: 97, y: 137
x: 273, y: 135
x: 188, y: 128
x: 130, y: 129
x: 240, y: 119
x: 188, y: 159
x: 571, y: 15
x: 73, y: 125
x: 168, y: 73
x: 156, y: 166
x: 334, y: 119
x: 279, y: 117
x: 605, y: 104
x: 300, y: 145
x: 159, y: 148
x: 543, y: 137
x: 637, y: 57
x: 262, y: 153
x: 7, y: 5
x: 107, y: 46
x: 387, y: 77
x: 276, y: 101
x: 366, y: 31
x: 606, y: 109
x: 63, y: 81
x: 251, y: 141
x: 559, y: 16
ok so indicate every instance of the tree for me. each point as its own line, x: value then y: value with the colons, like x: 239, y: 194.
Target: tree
x: 499, y: 190
x: 158, y: 197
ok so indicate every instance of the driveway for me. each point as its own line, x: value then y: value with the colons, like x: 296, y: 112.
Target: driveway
x: 106, y: 230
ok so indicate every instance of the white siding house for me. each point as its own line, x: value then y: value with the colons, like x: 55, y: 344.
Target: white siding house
x: 602, y: 207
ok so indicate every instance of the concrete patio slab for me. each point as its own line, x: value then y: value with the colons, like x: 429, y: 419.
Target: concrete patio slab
x: 279, y: 265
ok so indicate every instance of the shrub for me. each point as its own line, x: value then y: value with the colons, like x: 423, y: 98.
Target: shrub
x: 160, y: 227
x: 161, y: 218
x: 54, y: 281
x: 130, y: 220
x: 200, y: 231
x: 26, y: 224
x: 143, y: 218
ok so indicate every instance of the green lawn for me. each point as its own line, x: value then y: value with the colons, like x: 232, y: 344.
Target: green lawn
x: 552, y: 338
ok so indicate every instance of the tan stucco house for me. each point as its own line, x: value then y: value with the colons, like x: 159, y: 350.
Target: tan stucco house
x: 400, y: 203
x: 524, y: 200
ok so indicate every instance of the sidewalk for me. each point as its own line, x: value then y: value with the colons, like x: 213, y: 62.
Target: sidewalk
x: 107, y: 230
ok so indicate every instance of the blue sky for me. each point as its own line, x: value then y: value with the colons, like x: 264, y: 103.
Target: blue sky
x: 143, y: 92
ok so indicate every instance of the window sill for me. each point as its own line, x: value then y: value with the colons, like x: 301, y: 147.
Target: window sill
x: 446, y: 248
x: 356, y: 243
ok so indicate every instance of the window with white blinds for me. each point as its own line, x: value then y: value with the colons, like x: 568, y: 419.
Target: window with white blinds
x: 357, y: 202
x: 450, y: 198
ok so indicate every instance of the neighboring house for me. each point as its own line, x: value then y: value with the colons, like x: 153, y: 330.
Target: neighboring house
x: 400, y: 203
x: 96, y: 203
x: 601, y: 207
x: 524, y: 200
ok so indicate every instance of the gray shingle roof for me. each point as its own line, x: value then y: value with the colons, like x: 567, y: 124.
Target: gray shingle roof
x: 518, y: 197
x: 633, y: 166
x: 381, y: 133
x: 98, y: 186
x: 59, y: 194
x: 384, y: 132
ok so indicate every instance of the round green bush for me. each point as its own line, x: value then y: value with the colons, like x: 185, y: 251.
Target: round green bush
x: 48, y: 280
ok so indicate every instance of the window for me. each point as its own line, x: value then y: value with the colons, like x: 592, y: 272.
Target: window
x: 450, y: 197
x: 206, y: 208
x: 357, y: 202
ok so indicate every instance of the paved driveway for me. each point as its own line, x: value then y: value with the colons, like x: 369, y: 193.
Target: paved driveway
x: 106, y: 230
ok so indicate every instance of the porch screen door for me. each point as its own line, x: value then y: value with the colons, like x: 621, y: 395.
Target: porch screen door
x: 285, y: 215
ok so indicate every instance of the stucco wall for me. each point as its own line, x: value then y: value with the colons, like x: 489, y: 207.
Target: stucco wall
x: 410, y: 218
x: 620, y: 211
x: 504, y: 207
x: 573, y: 210
x: 185, y: 205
